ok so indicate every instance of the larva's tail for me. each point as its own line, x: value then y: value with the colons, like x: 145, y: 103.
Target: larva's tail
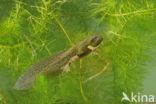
x: 26, y: 80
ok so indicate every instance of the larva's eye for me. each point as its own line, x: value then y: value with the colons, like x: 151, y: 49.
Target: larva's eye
x: 95, y: 40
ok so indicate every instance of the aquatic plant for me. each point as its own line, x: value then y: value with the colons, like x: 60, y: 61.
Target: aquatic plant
x: 34, y: 29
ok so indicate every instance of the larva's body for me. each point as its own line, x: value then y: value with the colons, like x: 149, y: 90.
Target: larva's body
x: 58, y: 62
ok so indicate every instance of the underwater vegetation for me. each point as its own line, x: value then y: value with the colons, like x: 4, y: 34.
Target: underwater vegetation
x: 31, y: 30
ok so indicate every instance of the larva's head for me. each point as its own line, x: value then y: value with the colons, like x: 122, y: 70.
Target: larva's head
x: 95, y: 40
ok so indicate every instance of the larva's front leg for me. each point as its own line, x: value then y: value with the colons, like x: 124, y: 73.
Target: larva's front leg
x: 91, y: 48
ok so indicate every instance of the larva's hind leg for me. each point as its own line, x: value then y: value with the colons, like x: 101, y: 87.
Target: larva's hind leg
x: 66, y: 67
x: 74, y: 58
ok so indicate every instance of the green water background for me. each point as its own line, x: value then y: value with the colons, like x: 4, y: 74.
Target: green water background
x: 35, y: 29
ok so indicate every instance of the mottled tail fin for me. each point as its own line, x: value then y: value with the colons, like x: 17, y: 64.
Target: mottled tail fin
x: 26, y: 80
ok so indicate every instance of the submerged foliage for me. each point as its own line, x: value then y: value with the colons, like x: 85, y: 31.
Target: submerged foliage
x: 31, y: 30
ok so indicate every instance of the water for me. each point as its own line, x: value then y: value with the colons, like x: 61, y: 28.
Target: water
x: 149, y: 83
